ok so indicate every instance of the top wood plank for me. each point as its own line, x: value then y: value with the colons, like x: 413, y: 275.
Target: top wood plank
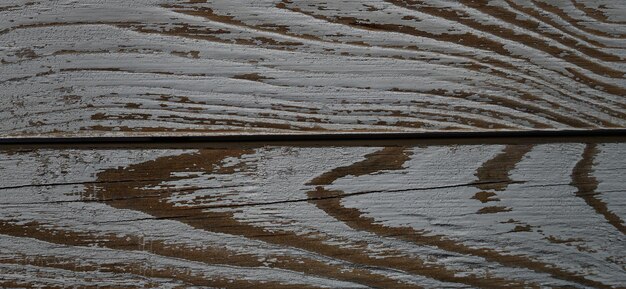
x: 168, y: 67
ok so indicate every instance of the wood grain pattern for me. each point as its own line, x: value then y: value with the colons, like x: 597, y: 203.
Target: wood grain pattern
x: 399, y: 215
x: 427, y: 216
x: 177, y: 67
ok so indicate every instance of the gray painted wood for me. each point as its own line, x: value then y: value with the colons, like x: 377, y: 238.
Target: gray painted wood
x: 170, y: 67
x: 428, y: 216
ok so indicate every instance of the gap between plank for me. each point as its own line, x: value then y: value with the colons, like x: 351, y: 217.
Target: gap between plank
x: 326, y: 139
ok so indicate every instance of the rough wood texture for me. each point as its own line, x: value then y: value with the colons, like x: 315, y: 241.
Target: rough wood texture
x: 119, y: 67
x: 463, y: 216
x: 345, y: 216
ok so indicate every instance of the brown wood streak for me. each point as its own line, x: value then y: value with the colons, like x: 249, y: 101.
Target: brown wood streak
x: 469, y: 40
x: 499, y: 167
x: 587, y: 184
x: 547, y: 20
x: 380, y: 161
x: 211, y: 15
x: 535, y: 104
x: 130, y: 242
x: 493, y: 175
x: 483, y: 6
x: 594, y: 13
x: 477, y: 43
x: 533, y: 25
x: 458, y: 16
x: 127, y: 195
x: 570, y: 20
x: 210, y: 256
x: 476, y: 122
x: 224, y: 222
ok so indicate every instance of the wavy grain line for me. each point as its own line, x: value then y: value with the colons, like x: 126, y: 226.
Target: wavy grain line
x: 586, y: 185
x: 394, y: 158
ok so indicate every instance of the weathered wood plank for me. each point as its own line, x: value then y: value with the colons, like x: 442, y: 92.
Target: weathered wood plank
x: 427, y: 216
x: 175, y: 67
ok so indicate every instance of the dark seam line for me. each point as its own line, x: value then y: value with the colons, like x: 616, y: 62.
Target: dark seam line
x: 296, y: 137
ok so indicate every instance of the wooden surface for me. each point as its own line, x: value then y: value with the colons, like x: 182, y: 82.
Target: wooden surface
x: 426, y: 216
x: 155, y: 67
x: 311, y: 215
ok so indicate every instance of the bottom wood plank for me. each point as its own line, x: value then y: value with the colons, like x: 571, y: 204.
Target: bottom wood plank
x: 423, y: 216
